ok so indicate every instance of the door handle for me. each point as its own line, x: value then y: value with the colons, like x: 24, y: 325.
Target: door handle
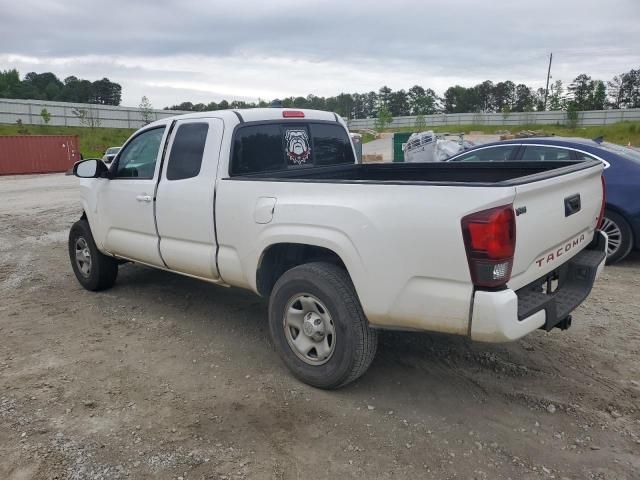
x: 572, y: 205
x: 143, y: 198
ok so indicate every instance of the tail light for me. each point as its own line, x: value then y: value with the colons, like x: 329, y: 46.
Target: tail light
x: 604, y: 194
x: 490, y: 241
x: 292, y: 114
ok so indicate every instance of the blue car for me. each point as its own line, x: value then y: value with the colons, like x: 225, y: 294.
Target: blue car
x: 622, y: 178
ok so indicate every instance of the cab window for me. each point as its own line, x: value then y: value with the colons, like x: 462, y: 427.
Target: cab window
x: 138, y: 158
x: 185, y: 158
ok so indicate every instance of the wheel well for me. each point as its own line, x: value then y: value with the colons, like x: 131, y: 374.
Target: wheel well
x: 281, y: 257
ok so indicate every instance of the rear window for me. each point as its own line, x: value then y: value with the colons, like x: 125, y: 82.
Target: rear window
x: 543, y: 153
x: 280, y: 146
x: 500, y: 153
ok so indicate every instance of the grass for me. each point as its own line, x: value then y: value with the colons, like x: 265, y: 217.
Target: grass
x: 93, y: 142
x: 621, y: 133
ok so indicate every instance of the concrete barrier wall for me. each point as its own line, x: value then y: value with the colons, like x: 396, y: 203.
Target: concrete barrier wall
x: 130, y: 117
x: 62, y: 113
x: 594, y: 117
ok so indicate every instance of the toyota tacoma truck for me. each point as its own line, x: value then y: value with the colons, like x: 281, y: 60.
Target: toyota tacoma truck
x: 273, y: 200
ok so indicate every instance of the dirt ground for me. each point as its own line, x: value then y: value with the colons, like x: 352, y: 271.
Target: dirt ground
x: 166, y: 377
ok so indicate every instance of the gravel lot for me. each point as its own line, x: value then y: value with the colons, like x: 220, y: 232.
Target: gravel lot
x: 166, y: 377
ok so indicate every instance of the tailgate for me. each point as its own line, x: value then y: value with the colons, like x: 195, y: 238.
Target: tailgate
x: 555, y: 220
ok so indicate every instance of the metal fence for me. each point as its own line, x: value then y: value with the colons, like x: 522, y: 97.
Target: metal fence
x: 62, y: 113
x: 593, y: 117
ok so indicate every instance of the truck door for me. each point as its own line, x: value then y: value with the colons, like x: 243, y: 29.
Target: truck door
x: 185, y: 198
x: 126, y: 201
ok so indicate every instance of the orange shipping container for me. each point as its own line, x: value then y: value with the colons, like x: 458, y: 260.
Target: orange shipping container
x: 37, y: 153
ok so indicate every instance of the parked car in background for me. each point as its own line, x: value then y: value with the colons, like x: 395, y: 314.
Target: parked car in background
x: 110, y: 154
x: 622, y: 178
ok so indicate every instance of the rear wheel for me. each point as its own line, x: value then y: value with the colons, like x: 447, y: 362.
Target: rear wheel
x: 318, y: 325
x: 94, y: 270
x: 620, y: 236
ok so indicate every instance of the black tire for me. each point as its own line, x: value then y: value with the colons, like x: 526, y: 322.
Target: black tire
x: 355, y: 343
x: 616, y: 221
x: 102, y: 271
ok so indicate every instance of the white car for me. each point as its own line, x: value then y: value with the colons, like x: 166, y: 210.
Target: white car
x: 272, y: 200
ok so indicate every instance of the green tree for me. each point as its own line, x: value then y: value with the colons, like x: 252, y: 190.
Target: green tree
x: 525, y: 101
x: 46, y: 116
x: 421, y: 123
x: 504, y: 95
x: 580, y: 90
x: 631, y: 89
x: 88, y: 117
x: 9, y: 84
x: 146, y: 110
x: 555, y: 100
x: 371, y: 102
x: 539, y: 99
x: 344, y: 105
x: 458, y: 99
x: 384, y: 95
x: 572, y: 114
x: 615, y: 91
x: 106, y: 92
x: 486, y: 93
x: 598, y: 96
x: 422, y: 101
x: 383, y: 119
x: 358, y: 110
x: 399, y: 104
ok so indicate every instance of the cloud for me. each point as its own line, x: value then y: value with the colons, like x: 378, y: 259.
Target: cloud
x: 203, y: 51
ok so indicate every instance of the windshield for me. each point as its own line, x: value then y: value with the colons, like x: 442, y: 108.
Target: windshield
x: 113, y: 151
x: 626, y: 152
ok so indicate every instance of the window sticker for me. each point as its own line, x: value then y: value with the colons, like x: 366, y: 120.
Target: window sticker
x: 297, y: 146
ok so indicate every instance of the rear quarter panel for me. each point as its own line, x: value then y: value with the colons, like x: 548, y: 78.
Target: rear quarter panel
x: 402, y: 244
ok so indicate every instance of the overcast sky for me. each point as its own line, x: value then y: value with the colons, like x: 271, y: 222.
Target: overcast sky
x: 200, y: 51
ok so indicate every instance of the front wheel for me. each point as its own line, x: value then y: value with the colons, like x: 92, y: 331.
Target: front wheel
x: 318, y: 326
x: 620, y: 236
x: 94, y: 270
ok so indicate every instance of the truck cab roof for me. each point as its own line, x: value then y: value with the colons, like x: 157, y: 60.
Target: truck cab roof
x: 255, y: 115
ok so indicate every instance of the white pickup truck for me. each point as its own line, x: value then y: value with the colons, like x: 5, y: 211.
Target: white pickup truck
x: 272, y: 200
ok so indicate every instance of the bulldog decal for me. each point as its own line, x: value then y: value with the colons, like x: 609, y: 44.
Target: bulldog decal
x: 297, y: 146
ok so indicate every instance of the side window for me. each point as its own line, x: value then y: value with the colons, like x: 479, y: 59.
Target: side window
x: 185, y: 158
x: 490, y: 154
x: 139, y: 156
x: 331, y: 144
x: 257, y: 148
x: 545, y: 154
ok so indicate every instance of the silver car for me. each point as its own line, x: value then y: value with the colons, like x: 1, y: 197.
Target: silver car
x: 110, y: 154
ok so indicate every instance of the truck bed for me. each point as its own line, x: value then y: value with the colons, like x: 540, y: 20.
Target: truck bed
x: 442, y: 173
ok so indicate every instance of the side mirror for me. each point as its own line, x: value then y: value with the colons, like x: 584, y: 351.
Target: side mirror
x: 90, y: 168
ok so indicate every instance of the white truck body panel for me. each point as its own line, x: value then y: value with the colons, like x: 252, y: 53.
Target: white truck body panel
x: 401, y: 243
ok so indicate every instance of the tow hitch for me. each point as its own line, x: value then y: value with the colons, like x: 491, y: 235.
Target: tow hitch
x: 564, y: 324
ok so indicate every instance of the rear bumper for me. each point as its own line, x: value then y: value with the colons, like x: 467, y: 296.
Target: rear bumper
x: 507, y: 315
